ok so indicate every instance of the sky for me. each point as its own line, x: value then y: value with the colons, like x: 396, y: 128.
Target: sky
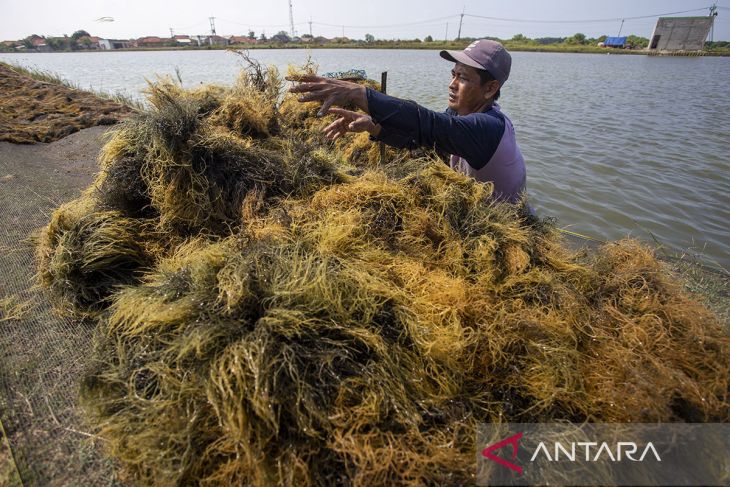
x: 385, y: 19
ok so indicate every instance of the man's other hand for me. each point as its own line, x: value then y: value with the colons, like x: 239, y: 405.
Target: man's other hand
x: 349, y: 121
x: 329, y: 91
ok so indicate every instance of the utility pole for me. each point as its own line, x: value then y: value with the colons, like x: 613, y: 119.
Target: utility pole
x: 291, y: 19
x: 446, y: 35
x: 620, y: 28
x: 458, y: 36
x: 310, y: 27
x: 713, y: 13
x: 212, y: 30
x: 172, y: 33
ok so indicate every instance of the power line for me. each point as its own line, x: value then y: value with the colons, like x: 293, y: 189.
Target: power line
x: 614, y: 19
x: 190, y: 26
x: 406, y: 24
x: 450, y: 17
x: 259, y: 25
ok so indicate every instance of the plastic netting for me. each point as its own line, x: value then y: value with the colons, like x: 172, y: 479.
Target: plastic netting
x: 42, y: 355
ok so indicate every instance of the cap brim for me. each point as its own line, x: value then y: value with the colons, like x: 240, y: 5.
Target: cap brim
x: 460, y: 57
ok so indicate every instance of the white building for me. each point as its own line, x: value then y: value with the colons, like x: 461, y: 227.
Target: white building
x: 680, y: 33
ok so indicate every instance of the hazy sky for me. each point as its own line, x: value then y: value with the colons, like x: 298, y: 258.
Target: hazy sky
x: 385, y: 19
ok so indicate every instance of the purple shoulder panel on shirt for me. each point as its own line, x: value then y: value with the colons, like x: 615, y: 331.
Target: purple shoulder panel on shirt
x: 506, y: 168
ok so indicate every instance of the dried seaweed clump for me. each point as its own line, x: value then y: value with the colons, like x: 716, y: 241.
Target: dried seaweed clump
x: 39, y: 107
x: 183, y: 168
x: 358, y: 336
x: 191, y: 159
x: 85, y: 255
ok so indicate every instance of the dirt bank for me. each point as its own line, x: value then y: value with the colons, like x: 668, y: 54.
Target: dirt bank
x: 38, y: 111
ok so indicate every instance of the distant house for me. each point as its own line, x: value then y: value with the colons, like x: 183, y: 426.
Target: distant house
x: 152, y: 41
x: 182, y: 40
x: 218, y: 40
x: 241, y: 40
x: 39, y: 44
x: 88, y: 42
x: 617, y: 42
x: 116, y: 44
x: 209, y: 40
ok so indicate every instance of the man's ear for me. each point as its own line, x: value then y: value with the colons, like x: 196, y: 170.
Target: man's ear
x: 491, y: 89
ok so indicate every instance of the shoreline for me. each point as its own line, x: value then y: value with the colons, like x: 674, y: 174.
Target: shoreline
x: 428, y: 46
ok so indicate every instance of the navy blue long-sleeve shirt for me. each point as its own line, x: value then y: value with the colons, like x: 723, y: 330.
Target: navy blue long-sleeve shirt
x: 482, y: 144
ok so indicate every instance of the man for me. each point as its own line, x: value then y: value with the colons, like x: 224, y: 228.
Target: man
x: 479, y: 137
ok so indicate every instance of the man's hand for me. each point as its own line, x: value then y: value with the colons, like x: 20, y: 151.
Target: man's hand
x: 350, y: 122
x: 329, y: 91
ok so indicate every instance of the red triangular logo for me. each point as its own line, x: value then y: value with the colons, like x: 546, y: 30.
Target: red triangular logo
x: 512, y: 440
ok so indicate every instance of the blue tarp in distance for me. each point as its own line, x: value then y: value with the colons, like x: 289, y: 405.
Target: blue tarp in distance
x: 614, y: 41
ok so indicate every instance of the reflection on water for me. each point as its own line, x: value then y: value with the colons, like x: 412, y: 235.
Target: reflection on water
x: 615, y: 145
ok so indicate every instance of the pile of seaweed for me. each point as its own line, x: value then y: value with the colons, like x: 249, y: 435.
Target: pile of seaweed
x: 34, y: 110
x: 270, y: 312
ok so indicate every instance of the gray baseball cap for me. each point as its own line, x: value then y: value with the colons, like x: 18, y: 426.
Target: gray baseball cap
x: 490, y: 56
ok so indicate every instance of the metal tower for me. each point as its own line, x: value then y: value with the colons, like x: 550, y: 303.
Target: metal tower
x: 212, y: 25
x: 458, y: 36
x: 291, y: 20
x: 713, y: 13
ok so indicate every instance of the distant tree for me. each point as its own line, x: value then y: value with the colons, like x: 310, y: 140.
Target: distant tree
x: 636, y: 42
x: 519, y: 38
x: 281, y: 36
x: 602, y: 38
x: 576, y: 39
x: 251, y: 34
x: 78, y: 34
x: 58, y: 43
x: 369, y: 38
x: 549, y: 40
x: 85, y: 42
x: 262, y: 37
x: 428, y: 39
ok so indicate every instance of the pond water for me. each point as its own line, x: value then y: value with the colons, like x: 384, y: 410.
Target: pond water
x: 615, y: 145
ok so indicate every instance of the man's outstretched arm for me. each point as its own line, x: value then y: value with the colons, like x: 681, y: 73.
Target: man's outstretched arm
x: 474, y: 137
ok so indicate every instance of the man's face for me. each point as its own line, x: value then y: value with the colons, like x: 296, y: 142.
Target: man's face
x: 466, y: 92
